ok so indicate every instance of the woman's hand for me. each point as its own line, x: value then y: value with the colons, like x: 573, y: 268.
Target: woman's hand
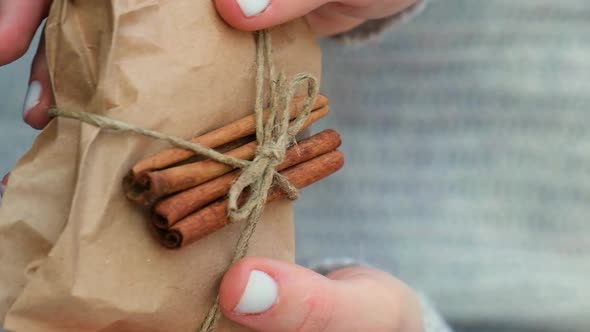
x: 19, y: 19
x: 268, y: 295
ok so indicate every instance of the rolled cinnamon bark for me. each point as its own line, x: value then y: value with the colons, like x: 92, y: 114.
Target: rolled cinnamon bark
x: 151, y: 186
x: 172, y: 209
x: 238, y: 129
x: 214, y: 216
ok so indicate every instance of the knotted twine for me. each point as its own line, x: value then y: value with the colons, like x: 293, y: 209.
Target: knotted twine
x: 258, y: 175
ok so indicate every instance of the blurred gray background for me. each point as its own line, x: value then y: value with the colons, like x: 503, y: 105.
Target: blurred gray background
x: 467, y: 139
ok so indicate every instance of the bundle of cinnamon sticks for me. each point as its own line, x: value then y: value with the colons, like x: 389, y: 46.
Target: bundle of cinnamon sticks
x: 187, y: 196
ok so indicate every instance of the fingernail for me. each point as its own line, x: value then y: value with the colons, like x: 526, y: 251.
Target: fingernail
x: 33, y: 97
x: 252, y: 8
x: 260, y: 294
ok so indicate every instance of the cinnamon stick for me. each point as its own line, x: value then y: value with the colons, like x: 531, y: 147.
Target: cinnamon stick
x: 238, y: 129
x: 214, y: 216
x: 172, y: 209
x: 151, y: 186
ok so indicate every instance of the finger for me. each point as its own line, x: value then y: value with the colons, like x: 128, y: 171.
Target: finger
x: 369, y: 9
x: 268, y: 295
x: 253, y: 15
x: 338, y: 17
x: 18, y: 22
x: 327, y: 23
x: 39, y: 94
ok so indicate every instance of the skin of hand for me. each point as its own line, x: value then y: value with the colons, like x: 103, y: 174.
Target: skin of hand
x: 268, y: 295
x: 259, y: 293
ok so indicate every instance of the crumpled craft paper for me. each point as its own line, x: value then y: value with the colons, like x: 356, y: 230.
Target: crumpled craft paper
x: 75, y: 255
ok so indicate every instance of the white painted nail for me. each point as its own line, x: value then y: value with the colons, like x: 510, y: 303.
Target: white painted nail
x: 260, y: 294
x: 33, y: 97
x: 252, y: 8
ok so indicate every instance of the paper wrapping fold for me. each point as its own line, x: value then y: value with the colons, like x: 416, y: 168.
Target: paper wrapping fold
x: 75, y: 256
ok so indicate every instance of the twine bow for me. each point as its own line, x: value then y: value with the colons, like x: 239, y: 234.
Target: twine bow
x: 259, y: 175
x: 273, y: 138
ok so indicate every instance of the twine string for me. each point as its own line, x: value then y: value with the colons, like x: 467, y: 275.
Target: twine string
x: 273, y: 141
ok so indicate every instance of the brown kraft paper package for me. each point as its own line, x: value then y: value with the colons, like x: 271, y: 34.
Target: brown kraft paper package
x: 75, y: 255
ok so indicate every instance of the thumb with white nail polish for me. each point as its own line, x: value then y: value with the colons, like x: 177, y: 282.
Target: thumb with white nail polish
x: 268, y: 295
